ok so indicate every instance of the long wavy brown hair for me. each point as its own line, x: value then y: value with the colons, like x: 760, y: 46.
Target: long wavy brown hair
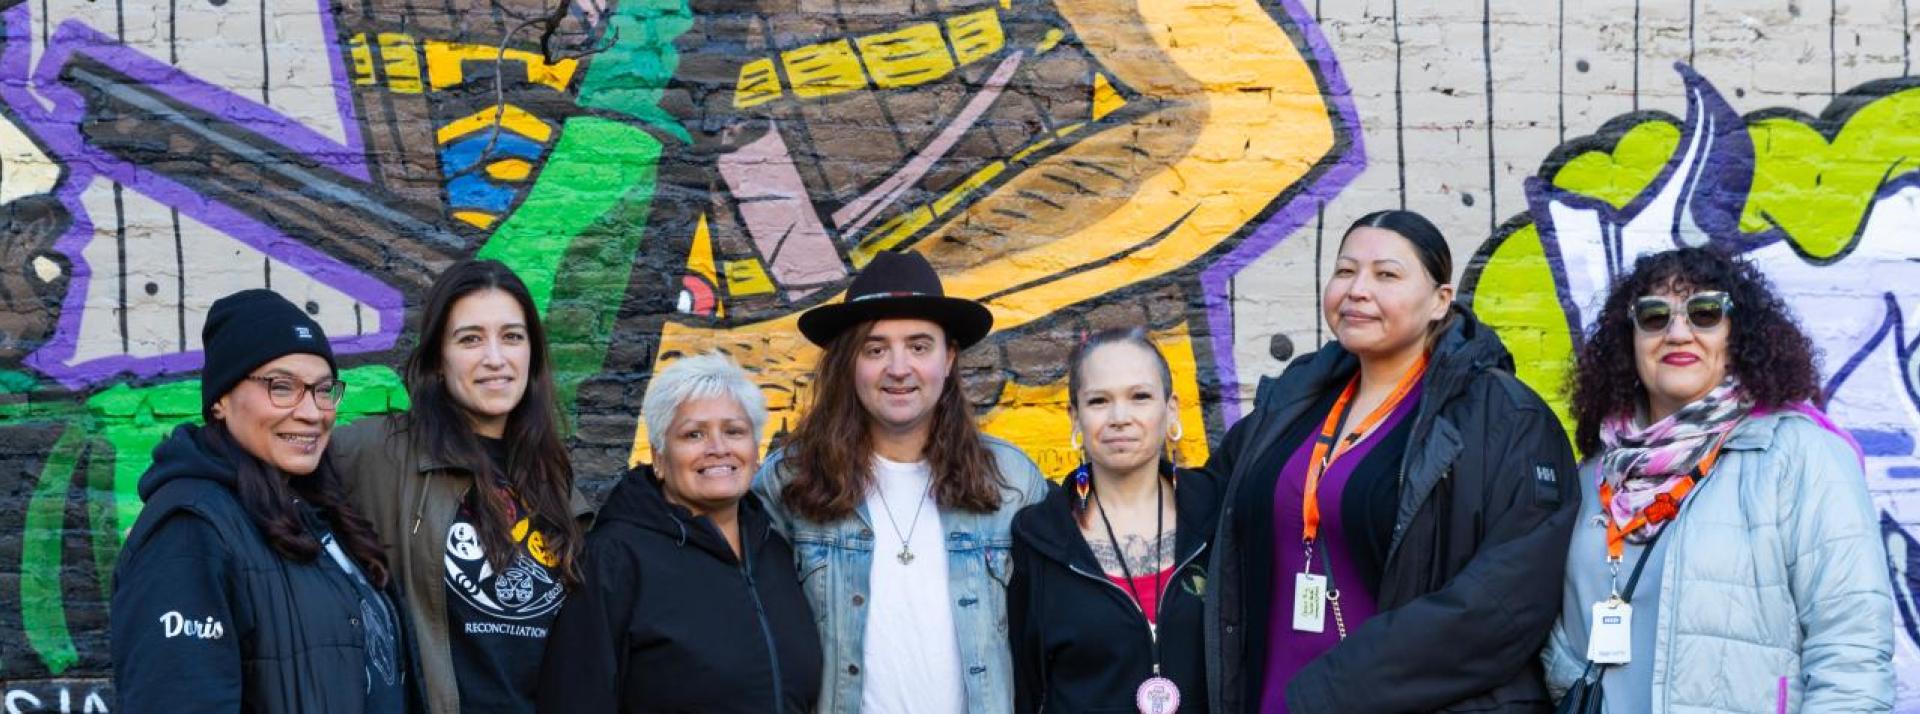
x: 538, y: 472
x: 829, y: 456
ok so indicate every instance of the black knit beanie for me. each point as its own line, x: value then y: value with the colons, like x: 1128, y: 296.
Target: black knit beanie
x: 248, y: 329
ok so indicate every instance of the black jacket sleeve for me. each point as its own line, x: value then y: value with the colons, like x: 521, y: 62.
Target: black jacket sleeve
x: 1023, y: 632
x: 175, y: 643
x: 1494, y: 614
x: 586, y: 660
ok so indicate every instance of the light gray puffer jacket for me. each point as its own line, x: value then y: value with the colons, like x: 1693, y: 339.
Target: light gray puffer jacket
x: 1775, y: 572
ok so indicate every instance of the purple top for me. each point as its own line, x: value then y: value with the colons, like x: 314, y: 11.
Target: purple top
x: 1289, y: 650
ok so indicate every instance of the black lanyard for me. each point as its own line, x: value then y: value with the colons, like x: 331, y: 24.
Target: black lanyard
x: 1159, y: 532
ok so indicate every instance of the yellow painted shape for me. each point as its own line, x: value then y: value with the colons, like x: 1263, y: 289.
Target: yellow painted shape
x: 1035, y: 418
x: 976, y: 35
x: 1022, y: 154
x: 476, y: 218
x: 402, y: 60
x: 509, y: 117
x: 446, y: 64
x: 758, y: 84
x: 510, y: 169
x: 362, y: 60
x: 824, y: 69
x: 747, y: 277
x: 907, y: 57
x: 890, y: 234
x: 1052, y: 39
x: 1106, y: 99
x: 1251, y: 148
x: 959, y: 193
x: 700, y: 256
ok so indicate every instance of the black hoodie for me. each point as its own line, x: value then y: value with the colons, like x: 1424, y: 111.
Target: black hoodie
x: 1472, y: 576
x: 207, y: 616
x: 667, y: 619
x: 1080, y: 644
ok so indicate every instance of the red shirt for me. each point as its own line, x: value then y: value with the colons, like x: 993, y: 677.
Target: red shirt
x: 1144, y: 592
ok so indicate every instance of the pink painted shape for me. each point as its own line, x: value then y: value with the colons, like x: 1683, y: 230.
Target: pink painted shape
x: 779, y: 215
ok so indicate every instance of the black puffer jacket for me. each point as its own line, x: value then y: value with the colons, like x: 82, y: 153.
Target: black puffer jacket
x: 1080, y: 644
x: 669, y: 620
x: 207, y: 616
x: 1472, y: 578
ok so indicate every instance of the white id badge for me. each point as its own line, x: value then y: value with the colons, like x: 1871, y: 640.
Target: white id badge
x: 1611, y: 639
x: 1309, y: 602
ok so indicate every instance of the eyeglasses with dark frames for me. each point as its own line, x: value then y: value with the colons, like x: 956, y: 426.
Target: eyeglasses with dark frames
x: 286, y: 392
x: 1653, y: 314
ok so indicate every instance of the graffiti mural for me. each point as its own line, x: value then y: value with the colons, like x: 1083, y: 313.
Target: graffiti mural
x: 1828, y: 207
x: 668, y: 176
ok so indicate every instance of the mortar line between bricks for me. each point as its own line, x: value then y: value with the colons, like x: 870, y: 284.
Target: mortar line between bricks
x: 1493, y: 178
x: 1399, y: 110
x: 1636, y: 55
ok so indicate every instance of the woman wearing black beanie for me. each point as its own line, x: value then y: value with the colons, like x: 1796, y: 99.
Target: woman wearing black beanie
x: 248, y: 583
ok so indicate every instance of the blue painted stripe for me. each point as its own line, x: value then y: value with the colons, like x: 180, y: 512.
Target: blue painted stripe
x: 468, y: 192
x: 1884, y: 443
x: 462, y: 155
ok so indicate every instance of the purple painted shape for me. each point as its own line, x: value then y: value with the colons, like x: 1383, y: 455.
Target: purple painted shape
x: 82, y: 164
x: 1298, y: 208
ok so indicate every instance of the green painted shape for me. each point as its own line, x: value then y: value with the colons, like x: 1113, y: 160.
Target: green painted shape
x: 595, y: 166
x: 101, y: 501
x: 1618, y: 176
x: 628, y: 76
x: 15, y: 381
x: 1516, y: 295
x: 135, y: 420
x: 43, y: 614
x: 1819, y: 191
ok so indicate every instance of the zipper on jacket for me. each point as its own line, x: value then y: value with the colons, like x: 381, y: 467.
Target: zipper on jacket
x: 1153, y: 629
x: 766, y: 630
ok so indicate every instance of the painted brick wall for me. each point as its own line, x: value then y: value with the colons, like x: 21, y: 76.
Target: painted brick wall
x: 675, y: 177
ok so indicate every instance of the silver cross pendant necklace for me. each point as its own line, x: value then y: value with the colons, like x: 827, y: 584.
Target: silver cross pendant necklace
x: 905, y: 555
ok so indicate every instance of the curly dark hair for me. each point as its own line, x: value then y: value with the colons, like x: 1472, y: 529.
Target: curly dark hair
x: 1769, y: 354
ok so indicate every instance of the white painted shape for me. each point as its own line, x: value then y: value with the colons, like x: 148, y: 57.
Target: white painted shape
x: 1732, y: 36
x: 152, y: 260
x: 1525, y: 107
x: 217, y: 265
x: 25, y: 170
x: 221, y: 45
x: 1445, y: 78
x: 335, y: 308
x: 1580, y: 236
x: 99, y: 334
x: 301, y: 58
x: 1599, y: 33
x: 45, y: 269
x: 1871, y: 41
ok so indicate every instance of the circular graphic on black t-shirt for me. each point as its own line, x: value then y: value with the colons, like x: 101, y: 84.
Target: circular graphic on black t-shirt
x: 526, y: 589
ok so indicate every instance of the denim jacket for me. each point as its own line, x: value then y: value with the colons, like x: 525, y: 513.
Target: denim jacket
x: 834, y: 560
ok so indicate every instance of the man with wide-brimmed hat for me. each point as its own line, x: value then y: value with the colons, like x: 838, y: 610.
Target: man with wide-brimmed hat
x: 897, y: 506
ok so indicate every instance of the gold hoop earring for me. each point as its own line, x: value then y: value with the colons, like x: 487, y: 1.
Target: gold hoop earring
x: 1075, y: 440
x: 1179, y: 430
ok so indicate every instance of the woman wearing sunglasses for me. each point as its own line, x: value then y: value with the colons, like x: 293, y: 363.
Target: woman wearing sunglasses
x: 1398, y: 507
x: 249, y: 583
x: 473, y: 491
x: 1727, y: 555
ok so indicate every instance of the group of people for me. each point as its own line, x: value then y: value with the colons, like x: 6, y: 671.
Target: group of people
x: 1398, y: 524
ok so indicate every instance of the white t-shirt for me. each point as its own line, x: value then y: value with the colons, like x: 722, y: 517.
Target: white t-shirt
x: 912, y: 658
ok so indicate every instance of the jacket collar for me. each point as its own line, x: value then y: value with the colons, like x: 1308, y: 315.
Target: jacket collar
x: 1054, y: 533
x: 639, y: 499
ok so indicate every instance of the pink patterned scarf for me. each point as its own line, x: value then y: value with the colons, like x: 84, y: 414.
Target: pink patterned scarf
x: 1642, y: 463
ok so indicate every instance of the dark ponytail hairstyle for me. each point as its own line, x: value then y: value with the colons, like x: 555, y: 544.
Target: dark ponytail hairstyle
x: 1076, y: 368
x: 269, y: 498
x: 538, y: 471
x: 1428, y: 242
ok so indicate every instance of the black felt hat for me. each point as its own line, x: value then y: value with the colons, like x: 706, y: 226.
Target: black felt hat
x: 893, y: 286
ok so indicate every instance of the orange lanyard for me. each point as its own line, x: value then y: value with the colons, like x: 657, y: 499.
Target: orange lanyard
x: 1324, y: 451
x: 1665, y: 507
